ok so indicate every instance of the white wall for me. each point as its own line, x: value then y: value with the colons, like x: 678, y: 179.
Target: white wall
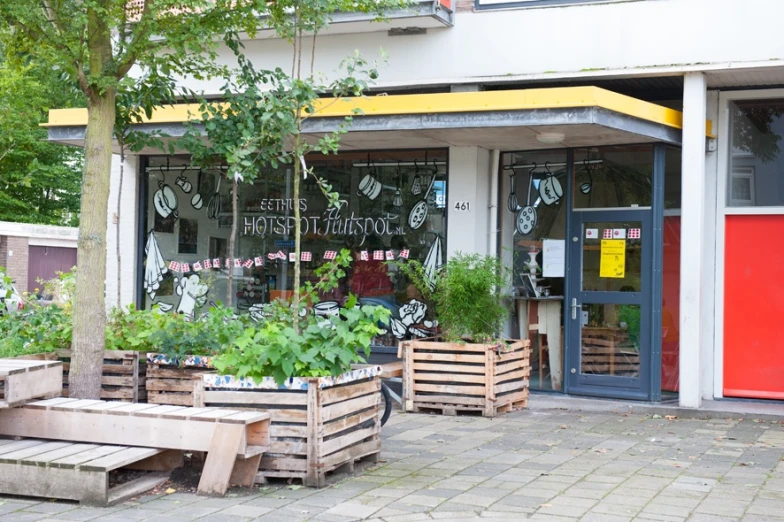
x: 128, y: 215
x: 504, y: 45
x: 469, y: 181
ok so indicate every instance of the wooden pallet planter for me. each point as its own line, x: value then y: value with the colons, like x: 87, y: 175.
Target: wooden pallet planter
x: 170, y: 381
x: 318, y: 424
x: 453, y: 378
x: 22, y: 380
x: 123, y: 376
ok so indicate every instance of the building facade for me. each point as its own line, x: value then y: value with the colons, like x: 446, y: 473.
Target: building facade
x: 621, y: 156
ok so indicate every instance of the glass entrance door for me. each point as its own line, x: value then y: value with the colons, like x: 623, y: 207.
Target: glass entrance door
x: 609, y: 304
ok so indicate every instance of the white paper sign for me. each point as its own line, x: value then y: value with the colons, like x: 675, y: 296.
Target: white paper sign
x: 553, y: 257
x: 619, y: 233
x: 591, y: 233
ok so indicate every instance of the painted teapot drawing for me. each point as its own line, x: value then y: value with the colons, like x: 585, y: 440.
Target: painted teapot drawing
x: 165, y: 201
x: 550, y: 189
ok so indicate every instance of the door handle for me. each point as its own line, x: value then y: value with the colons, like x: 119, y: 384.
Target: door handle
x: 575, y: 306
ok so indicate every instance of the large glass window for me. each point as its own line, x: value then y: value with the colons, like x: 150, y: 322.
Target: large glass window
x: 756, y: 173
x: 613, y: 177
x: 393, y: 206
x: 671, y: 272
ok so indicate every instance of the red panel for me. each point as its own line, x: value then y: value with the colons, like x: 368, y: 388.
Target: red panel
x: 671, y: 291
x: 754, y: 307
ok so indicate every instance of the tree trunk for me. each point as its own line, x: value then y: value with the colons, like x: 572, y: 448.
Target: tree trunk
x: 89, y: 310
x: 232, y: 241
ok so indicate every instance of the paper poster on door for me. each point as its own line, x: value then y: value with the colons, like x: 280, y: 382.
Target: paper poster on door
x: 613, y: 258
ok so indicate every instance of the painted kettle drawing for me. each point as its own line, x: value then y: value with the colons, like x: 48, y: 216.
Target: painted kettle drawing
x: 165, y: 200
x: 550, y: 188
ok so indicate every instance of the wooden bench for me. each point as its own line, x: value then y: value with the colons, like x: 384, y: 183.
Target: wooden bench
x: 67, y: 470
x: 22, y: 380
x: 234, y: 440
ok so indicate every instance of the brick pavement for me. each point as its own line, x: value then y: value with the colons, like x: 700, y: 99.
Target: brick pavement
x: 535, y: 465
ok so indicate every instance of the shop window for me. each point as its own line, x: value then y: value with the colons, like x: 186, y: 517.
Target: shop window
x: 613, y: 177
x: 756, y: 158
x: 533, y: 221
x: 393, y: 205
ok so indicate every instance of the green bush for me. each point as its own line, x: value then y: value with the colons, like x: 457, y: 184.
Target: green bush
x: 321, y: 347
x: 466, y: 295
x: 173, y: 334
x: 38, y: 329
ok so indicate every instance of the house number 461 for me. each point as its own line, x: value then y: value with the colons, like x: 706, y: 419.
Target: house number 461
x: 462, y: 206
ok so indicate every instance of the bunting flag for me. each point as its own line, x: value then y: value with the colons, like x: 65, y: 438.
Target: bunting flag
x: 634, y: 233
x: 174, y: 266
x: 378, y: 255
x: 272, y: 255
x: 330, y: 255
x: 281, y: 255
x: 197, y: 266
x: 227, y: 263
x: 390, y: 255
x: 292, y: 257
x: 363, y: 256
x: 248, y: 263
x: 216, y: 264
x: 306, y: 256
x: 237, y: 262
x: 404, y: 254
x: 607, y: 233
x: 207, y: 264
x: 258, y: 261
x: 185, y: 268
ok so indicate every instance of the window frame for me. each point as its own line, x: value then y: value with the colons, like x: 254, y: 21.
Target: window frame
x: 741, y: 173
x: 523, y: 4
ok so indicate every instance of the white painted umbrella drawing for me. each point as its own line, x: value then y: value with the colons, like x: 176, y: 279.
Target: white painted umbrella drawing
x: 154, y: 266
x: 433, y: 262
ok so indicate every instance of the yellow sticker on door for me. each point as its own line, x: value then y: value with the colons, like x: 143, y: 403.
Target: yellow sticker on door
x: 613, y: 258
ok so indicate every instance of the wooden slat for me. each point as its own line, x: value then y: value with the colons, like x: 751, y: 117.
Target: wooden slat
x: 450, y: 389
x: 451, y: 368
x: 157, y: 411
x: 331, y: 446
x: 449, y: 399
x: 449, y: 377
x: 452, y: 347
x: 103, y: 407
x: 341, y: 409
x: 345, y: 423
x: 24, y: 454
x: 214, y: 415
x: 170, y: 398
x: 354, y: 452
x: 127, y: 409
x: 245, y: 417
x: 119, y: 459
x: 513, y: 375
x: 289, y: 447
x: 448, y: 357
x: 283, y: 464
x: 18, y: 445
x: 49, y: 402
x: 76, y: 459
x: 342, y: 393
x: 171, y: 385
x: 514, y: 385
x: 155, y: 371
x: 74, y: 405
x: 294, y: 398
x: 277, y: 430
x: 66, y: 451
x: 185, y: 413
x: 220, y: 459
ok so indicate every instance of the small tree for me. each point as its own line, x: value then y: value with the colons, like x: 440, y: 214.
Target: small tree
x: 97, y: 43
x: 260, y: 123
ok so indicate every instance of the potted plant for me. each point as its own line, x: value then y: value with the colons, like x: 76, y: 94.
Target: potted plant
x: 471, y: 368
x: 175, y: 347
x: 324, y: 415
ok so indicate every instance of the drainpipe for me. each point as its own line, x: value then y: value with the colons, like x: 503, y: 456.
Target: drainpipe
x: 492, y: 233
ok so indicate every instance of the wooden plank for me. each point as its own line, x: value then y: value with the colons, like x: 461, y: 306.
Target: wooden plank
x: 450, y: 399
x: 289, y: 447
x: 354, y: 452
x: 246, y: 417
x: 48, y: 482
x: 350, y: 391
x: 408, y: 376
x: 488, y: 388
x: 76, y: 459
x: 293, y: 398
x: 244, y: 471
x: 185, y: 413
x: 515, y: 375
x: 19, y: 445
x: 23, y: 387
x: 341, y: 409
x: 477, y: 369
x: 173, y: 372
x: 74, y: 405
x: 460, y: 389
x: 450, y: 377
x: 115, y: 380
x: 103, y: 407
x: 288, y: 431
x: 283, y: 464
x: 169, y: 398
x: 119, y: 459
x: 452, y: 347
x: 447, y: 357
x: 509, y: 386
x: 331, y: 446
x: 345, y: 423
x: 128, y: 409
x: 158, y: 410
x: 23, y: 454
x: 220, y: 459
x: 315, y: 474
x: 169, y: 385
x: 71, y: 449
x: 136, y: 487
x: 214, y: 415
x: 49, y: 402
